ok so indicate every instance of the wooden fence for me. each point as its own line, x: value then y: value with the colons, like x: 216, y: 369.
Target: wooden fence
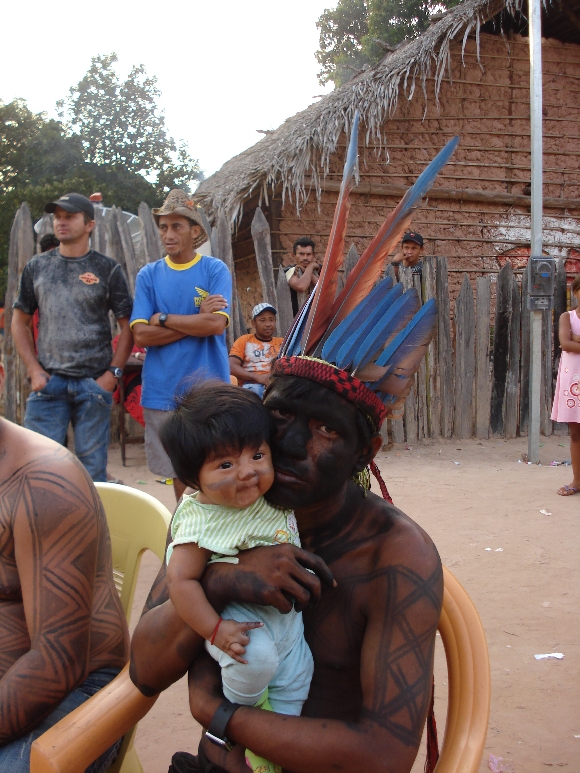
x: 472, y: 383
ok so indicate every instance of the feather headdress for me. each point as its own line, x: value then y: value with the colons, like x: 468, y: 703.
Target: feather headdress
x: 368, y: 342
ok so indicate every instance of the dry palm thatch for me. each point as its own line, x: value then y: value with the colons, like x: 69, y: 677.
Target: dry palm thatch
x: 300, y: 149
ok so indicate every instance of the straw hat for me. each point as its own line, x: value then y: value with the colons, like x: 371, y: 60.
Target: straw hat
x: 179, y: 203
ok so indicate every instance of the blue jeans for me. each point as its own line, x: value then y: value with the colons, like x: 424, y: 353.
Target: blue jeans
x: 15, y: 756
x: 84, y: 403
x: 257, y: 389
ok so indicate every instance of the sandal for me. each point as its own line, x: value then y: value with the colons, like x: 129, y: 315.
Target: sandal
x: 567, y: 491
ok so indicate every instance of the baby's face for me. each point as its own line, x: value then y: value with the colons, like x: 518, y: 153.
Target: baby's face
x: 236, y: 480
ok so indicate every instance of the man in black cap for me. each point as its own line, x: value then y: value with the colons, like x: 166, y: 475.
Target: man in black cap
x: 410, y: 254
x: 75, y: 372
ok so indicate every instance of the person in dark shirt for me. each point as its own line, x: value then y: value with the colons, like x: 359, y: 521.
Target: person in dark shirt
x: 410, y: 254
x: 74, y: 374
x: 303, y: 276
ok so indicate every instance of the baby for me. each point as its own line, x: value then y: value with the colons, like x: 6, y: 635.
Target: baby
x: 217, y: 441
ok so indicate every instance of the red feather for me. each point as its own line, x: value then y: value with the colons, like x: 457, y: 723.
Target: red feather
x: 370, y: 264
x: 325, y: 291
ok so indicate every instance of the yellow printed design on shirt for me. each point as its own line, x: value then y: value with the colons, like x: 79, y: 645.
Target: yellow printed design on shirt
x: 201, y: 296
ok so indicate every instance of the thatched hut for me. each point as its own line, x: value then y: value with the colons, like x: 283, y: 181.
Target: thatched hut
x: 468, y: 74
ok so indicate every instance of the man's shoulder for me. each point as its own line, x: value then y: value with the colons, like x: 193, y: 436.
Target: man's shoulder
x: 55, y: 479
x: 213, y: 264
x: 397, y: 538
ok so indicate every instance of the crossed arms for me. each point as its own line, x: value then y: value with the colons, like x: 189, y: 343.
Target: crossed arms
x: 208, y: 322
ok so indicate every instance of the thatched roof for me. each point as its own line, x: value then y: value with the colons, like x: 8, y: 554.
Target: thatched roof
x: 301, y: 147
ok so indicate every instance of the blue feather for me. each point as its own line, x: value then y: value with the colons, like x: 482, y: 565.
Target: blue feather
x: 291, y: 345
x: 403, y: 355
x: 399, y: 314
x: 352, y: 344
x: 354, y: 319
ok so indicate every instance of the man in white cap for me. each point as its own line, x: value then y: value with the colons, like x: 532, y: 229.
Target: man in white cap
x: 252, y: 355
x: 180, y: 314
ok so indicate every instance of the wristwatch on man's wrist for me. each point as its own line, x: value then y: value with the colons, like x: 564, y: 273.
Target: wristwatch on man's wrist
x: 117, y: 372
x: 216, y: 731
x: 162, y: 319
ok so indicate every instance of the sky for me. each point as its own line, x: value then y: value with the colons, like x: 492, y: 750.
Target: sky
x: 224, y: 68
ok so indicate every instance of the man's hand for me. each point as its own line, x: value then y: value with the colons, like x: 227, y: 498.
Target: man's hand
x: 261, y: 378
x: 270, y: 576
x: 39, y: 379
x: 232, y: 638
x: 212, y: 303
x: 107, y: 381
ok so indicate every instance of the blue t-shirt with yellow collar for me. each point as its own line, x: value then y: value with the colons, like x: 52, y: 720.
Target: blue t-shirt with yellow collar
x: 174, y: 288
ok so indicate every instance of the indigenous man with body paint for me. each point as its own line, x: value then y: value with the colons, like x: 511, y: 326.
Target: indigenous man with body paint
x: 62, y: 629
x: 372, y: 609
x: 180, y: 314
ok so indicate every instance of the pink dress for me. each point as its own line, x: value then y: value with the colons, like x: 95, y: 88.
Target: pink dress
x: 567, y: 395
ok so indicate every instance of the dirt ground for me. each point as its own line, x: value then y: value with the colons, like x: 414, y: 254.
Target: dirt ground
x: 469, y: 496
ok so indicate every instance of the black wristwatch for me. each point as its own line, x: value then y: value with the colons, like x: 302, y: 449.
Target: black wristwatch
x: 162, y: 319
x: 216, y: 731
x: 117, y: 372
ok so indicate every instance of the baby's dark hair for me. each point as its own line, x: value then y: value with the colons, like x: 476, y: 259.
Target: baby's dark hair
x: 212, y: 419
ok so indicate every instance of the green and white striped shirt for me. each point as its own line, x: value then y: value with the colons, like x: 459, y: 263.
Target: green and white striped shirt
x: 227, y: 530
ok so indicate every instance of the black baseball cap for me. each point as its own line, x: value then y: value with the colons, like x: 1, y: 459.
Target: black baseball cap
x: 413, y: 236
x: 72, y: 202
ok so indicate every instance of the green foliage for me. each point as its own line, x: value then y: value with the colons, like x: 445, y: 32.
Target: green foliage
x: 112, y: 138
x: 119, y: 123
x: 358, y: 33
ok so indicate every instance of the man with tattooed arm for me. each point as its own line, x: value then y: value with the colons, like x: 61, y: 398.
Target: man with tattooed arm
x: 370, y: 610
x: 62, y: 629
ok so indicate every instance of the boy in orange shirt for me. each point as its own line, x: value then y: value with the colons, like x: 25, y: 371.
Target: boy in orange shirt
x: 252, y: 355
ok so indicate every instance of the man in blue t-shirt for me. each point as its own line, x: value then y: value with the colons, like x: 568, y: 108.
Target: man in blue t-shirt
x: 180, y: 314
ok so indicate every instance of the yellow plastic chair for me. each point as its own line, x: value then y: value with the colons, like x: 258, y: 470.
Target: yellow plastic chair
x: 80, y: 738
x: 137, y: 522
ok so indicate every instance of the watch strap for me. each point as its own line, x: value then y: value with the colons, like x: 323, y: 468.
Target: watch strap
x: 162, y: 319
x: 216, y: 731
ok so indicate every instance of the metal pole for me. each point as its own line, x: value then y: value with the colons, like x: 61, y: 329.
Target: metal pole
x: 535, y: 35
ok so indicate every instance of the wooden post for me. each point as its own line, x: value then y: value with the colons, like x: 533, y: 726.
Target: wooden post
x: 151, y: 241
x: 433, y: 401
x: 513, y: 370
x: 263, y: 247
x: 445, y: 375
x: 284, y: 302
x: 225, y: 253
x: 115, y: 245
x: 547, y: 370
x: 207, y: 227
x: 350, y: 261
x: 20, y: 250
x: 128, y: 249
x: 396, y: 427
x: 46, y: 227
x: 410, y: 415
x: 525, y: 359
x: 421, y: 379
x: 99, y: 234
x: 464, y: 360
x: 483, y: 381
x: 501, y: 347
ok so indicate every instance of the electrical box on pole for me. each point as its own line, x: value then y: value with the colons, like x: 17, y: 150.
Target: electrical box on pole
x: 542, y: 271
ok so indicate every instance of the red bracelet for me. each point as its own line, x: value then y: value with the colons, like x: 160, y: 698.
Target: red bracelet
x: 215, y: 630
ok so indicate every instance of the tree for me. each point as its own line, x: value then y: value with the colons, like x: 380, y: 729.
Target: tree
x: 120, y: 124
x: 357, y: 33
